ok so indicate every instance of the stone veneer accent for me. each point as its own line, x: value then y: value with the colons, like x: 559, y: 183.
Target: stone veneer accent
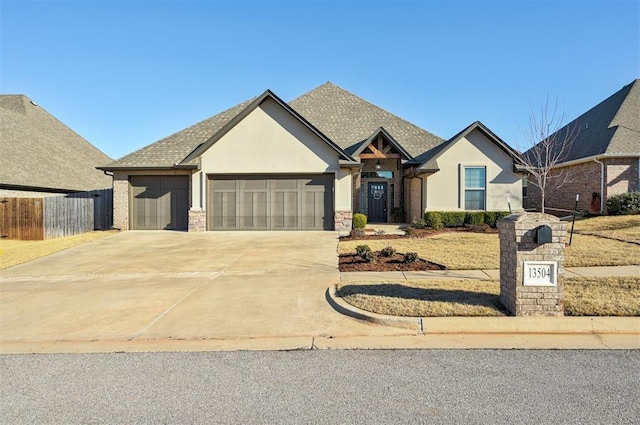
x: 518, y: 244
x: 343, y: 221
x: 197, y: 220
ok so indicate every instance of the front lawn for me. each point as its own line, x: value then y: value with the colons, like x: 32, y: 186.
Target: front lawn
x: 468, y: 251
x: 609, y: 296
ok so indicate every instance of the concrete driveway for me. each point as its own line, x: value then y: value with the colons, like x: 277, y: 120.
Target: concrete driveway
x: 172, y: 285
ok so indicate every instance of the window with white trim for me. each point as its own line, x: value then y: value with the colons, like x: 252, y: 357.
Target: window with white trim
x: 475, y: 183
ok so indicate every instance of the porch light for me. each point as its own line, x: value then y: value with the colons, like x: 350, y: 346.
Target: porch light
x: 378, y: 165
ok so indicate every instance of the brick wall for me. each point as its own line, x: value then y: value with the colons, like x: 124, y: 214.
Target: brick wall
x: 343, y: 221
x: 517, y: 245
x: 621, y: 176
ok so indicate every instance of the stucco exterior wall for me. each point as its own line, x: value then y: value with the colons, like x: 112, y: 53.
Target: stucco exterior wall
x: 269, y: 141
x: 121, y: 192
x: 444, y: 190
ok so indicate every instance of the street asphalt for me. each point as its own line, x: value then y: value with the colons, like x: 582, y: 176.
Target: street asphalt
x: 318, y: 386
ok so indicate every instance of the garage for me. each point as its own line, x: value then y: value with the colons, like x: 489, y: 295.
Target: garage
x: 159, y: 202
x: 302, y: 202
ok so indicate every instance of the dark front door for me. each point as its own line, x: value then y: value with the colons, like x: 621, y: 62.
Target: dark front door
x: 377, y: 202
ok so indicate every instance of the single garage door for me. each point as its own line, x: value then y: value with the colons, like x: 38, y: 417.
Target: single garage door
x: 270, y: 202
x: 159, y: 202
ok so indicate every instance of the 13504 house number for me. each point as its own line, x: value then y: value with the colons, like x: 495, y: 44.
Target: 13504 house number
x: 540, y: 273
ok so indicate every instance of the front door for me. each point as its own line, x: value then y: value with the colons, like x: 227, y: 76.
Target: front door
x: 377, y: 202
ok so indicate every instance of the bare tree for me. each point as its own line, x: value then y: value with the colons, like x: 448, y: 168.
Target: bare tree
x: 547, y: 144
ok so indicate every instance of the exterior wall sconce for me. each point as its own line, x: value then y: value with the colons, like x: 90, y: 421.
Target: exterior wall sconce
x: 378, y: 165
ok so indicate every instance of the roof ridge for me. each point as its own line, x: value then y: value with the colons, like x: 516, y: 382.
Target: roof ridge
x: 329, y: 83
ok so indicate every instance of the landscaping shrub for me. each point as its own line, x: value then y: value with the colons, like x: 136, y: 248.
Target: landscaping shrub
x: 388, y: 251
x: 453, y: 219
x: 479, y: 228
x: 434, y: 220
x: 409, y: 231
x: 419, y: 223
x: 359, y: 221
x: 362, y: 249
x: 624, y: 204
x: 474, y: 217
x: 411, y: 257
x: 368, y: 257
x: 357, y: 232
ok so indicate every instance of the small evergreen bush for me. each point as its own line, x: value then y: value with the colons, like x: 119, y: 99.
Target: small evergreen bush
x: 388, y: 251
x: 433, y: 219
x: 368, y: 257
x: 362, y: 249
x: 453, y: 219
x: 624, y: 204
x: 411, y: 257
x: 359, y: 221
x: 419, y: 223
x: 410, y: 231
x: 474, y: 218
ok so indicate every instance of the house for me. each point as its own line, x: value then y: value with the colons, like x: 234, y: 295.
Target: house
x: 603, y: 159
x: 40, y: 156
x: 309, y: 165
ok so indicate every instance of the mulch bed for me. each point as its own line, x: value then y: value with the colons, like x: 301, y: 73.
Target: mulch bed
x: 354, y: 263
x: 417, y: 233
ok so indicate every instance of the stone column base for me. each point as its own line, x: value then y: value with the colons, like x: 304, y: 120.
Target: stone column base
x: 197, y: 221
x: 343, y: 222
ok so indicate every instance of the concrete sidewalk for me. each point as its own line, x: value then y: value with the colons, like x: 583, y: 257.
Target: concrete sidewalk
x: 484, y: 274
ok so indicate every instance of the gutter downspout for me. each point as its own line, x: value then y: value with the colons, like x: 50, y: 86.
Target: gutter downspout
x: 601, y: 184
x: 422, y: 196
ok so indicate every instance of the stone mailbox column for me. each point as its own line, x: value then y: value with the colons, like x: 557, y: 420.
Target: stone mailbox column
x: 531, y: 264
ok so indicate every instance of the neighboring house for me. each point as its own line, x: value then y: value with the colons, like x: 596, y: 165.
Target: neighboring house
x: 309, y: 165
x: 40, y: 156
x: 602, y: 161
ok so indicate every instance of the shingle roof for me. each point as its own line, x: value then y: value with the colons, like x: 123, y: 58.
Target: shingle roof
x: 39, y: 151
x: 429, y: 160
x: 348, y: 120
x: 611, y: 128
x: 176, y: 147
x: 344, y: 118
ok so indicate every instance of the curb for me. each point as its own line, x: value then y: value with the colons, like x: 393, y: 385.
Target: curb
x: 492, y: 325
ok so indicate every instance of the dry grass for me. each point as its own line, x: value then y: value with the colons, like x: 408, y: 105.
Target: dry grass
x: 589, y: 251
x: 426, y: 298
x: 468, y: 251
x: 455, y: 250
x: 610, y: 296
x: 603, y: 296
x: 623, y: 227
x: 14, y: 252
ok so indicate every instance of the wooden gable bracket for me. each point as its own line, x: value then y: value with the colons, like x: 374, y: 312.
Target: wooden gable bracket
x: 383, y: 150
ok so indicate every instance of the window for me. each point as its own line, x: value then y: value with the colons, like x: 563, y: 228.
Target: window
x: 525, y: 186
x: 474, y: 188
x: 377, y: 174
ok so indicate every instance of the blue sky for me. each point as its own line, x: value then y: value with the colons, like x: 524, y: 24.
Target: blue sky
x: 125, y: 74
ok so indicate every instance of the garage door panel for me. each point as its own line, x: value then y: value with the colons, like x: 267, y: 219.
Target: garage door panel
x: 272, y: 203
x: 254, y: 210
x: 159, y: 202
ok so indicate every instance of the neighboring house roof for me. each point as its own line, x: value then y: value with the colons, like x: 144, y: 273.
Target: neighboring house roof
x: 611, y: 128
x: 429, y: 161
x: 38, y: 152
x: 348, y: 120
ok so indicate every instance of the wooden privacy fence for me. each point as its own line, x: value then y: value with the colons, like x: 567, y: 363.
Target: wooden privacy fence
x: 56, y: 216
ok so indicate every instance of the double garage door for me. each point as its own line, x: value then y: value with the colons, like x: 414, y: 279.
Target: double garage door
x: 270, y: 202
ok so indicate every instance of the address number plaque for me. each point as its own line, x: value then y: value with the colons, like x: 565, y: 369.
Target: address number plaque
x: 540, y: 273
